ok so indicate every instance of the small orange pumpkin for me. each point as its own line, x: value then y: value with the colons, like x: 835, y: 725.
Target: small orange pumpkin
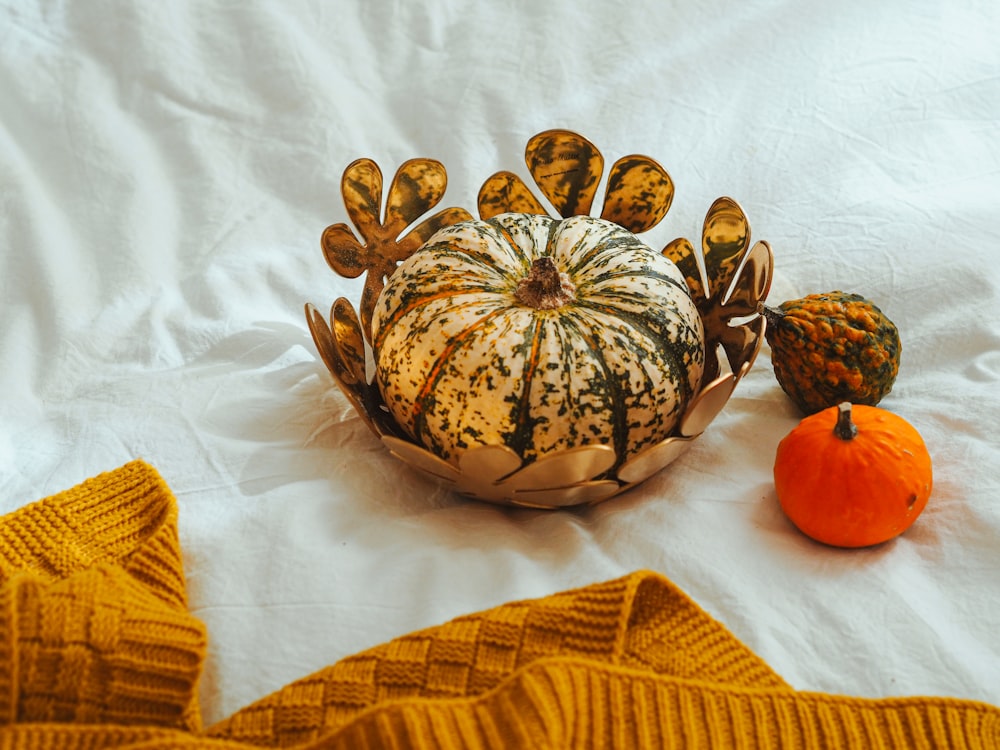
x: 853, y: 475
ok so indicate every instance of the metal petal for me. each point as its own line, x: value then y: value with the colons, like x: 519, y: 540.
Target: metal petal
x: 725, y: 236
x: 564, y: 467
x: 343, y: 253
x: 682, y: 253
x: 714, y: 365
x: 643, y: 465
x: 567, y: 168
x: 347, y: 338
x: 421, y: 459
x: 639, y: 193
x: 587, y: 493
x: 707, y: 404
x: 417, y: 187
x: 491, y: 473
x: 361, y: 186
x: 505, y: 192
x: 374, y: 284
x: 340, y: 362
x: 752, y: 283
x: 742, y: 344
x: 323, y: 339
x: 426, y: 229
x: 489, y: 463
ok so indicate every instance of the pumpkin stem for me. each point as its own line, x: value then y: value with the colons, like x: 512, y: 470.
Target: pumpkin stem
x: 845, y: 428
x: 771, y: 314
x: 545, y: 288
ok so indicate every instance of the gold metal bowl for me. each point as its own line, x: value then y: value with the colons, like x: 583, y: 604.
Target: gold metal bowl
x: 727, y: 277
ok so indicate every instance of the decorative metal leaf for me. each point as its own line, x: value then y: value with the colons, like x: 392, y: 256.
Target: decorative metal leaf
x: 426, y: 229
x: 505, y: 192
x: 681, y: 252
x: 494, y: 473
x: 565, y: 467
x: 639, y: 193
x: 361, y: 187
x: 586, y: 493
x: 348, y: 340
x: 323, y: 338
x: 753, y: 281
x: 566, y: 167
x: 643, y: 465
x: 739, y: 304
x: 343, y: 253
x: 707, y: 405
x: 742, y: 343
x: 374, y: 285
x: 421, y: 459
x: 725, y: 236
x: 489, y: 463
x: 417, y: 187
x: 340, y: 360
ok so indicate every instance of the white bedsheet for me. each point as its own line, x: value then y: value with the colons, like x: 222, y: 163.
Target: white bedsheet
x: 167, y: 169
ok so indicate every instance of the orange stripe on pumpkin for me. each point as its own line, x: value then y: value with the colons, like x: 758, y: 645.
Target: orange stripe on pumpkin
x: 450, y: 348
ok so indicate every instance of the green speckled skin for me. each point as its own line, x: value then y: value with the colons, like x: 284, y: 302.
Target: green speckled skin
x: 461, y: 362
x: 833, y: 347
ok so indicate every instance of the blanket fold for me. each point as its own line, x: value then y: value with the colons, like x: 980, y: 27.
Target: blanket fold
x: 98, y: 649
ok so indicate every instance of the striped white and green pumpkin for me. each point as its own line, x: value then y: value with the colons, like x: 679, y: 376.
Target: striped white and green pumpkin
x: 473, y: 348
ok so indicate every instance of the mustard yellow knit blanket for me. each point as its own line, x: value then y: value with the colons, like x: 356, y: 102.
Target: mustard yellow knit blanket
x: 98, y: 650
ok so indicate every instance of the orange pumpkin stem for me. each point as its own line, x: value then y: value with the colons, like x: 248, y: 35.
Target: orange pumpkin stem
x: 545, y: 288
x: 845, y: 428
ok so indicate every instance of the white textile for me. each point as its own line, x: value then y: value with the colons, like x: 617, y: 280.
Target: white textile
x: 166, y: 172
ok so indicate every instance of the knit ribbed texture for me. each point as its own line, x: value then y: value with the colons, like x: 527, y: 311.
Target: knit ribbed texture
x: 637, y: 620
x: 94, y: 625
x: 126, y: 517
x: 573, y: 703
x: 98, y: 650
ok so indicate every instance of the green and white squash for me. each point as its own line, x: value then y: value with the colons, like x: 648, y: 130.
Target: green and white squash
x: 537, y: 334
